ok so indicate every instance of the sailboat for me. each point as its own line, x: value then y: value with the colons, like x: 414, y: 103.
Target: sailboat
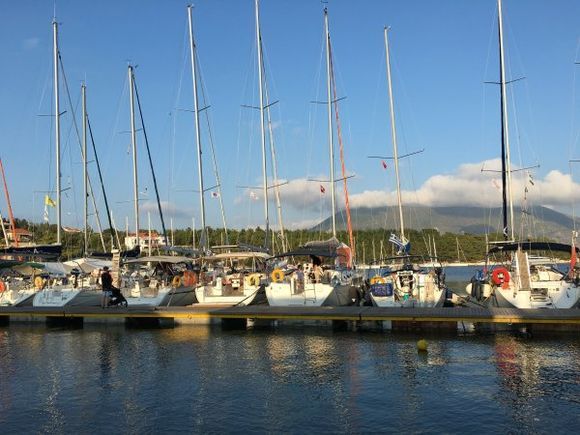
x: 521, y: 279
x: 310, y: 283
x: 234, y: 275
x: 406, y: 283
x: 55, y: 290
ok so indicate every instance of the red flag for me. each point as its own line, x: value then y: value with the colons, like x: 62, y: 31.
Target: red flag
x: 322, y: 189
x: 384, y: 164
x: 572, y: 261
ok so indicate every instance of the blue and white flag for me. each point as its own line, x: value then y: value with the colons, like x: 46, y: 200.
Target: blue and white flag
x: 403, y: 246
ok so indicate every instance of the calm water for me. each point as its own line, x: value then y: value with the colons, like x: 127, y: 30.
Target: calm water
x: 294, y: 380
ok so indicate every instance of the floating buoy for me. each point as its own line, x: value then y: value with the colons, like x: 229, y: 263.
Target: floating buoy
x: 422, y: 345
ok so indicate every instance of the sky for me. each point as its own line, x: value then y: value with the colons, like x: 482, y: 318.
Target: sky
x: 442, y: 53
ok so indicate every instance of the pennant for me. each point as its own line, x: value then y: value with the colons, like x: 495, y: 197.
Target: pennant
x: 531, y: 179
x: 496, y: 184
x: 322, y: 189
x: 215, y: 195
x: 384, y: 164
x: 48, y: 201
x: 253, y: 195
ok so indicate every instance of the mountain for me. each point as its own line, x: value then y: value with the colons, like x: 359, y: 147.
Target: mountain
x: 538, y: 222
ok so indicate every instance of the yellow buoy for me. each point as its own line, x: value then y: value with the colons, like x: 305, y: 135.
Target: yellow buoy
x: 422, y: 345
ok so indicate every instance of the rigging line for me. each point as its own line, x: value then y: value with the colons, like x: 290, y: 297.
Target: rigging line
x: 273, y: 158
x: 341, y: 150
x: 573, y: 141
x: 79, y: 141
x: 108, y: 210
x: 213, y: 152
x: 74, y: 119
x: 150, y: 161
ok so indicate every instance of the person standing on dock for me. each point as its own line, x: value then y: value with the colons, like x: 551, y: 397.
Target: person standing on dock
x: 107, y: 286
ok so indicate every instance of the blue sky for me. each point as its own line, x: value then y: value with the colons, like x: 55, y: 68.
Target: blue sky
x: 442, y: 53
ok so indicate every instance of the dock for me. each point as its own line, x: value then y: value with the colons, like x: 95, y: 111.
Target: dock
x: 399, y: 318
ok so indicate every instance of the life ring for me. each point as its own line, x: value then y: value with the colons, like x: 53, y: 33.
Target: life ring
x: 189, y: 278
x: 176, y: 281
x: 277, y: 275
x: 254, y: 279
x: 2, y: 286
x: 501, y: 276
x: 377, y: 280
x: 39, y: 282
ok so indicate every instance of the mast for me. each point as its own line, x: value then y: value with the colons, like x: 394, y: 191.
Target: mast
x: 134, y: 145
x: 262, y: 129
x: 394, y: 135
x: 57, y: 129
x: 330, y: 141
x: 197, y: 132
x: 85, y: 175
x: 508, y: 229
x: 10, y: 214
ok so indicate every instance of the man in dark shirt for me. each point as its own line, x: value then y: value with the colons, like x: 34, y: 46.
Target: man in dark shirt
x: 107, y: 285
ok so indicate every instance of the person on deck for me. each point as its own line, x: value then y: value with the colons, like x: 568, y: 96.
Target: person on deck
x: 107, y: 286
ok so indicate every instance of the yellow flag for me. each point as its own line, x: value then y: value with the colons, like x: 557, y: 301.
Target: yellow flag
x: 49, y: 201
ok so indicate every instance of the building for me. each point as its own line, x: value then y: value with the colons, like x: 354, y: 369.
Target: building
x: 156, y: 240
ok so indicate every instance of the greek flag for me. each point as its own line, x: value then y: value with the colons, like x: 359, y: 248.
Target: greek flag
x: 404, y: 246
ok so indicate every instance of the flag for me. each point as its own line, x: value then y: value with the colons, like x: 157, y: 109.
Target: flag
x: 404, y: 246
x: 384, y: 164
x: 572, y: 260
x: 253, y: 195
x: 48, y: 201
x: 215, y: 195
x: 496, y: 184
x: 322, y: 189
x: 45, y: 215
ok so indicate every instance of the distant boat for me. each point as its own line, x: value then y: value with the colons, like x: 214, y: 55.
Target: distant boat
x: 405, y: 283
x: 522, y: 280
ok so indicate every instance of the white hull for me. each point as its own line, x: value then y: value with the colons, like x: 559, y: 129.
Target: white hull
x: 420, y: 289
x: 564, y: 296
x: 16, y: 297
x: 214, y: 295
x: 55, y: 297
x: 287, y: 294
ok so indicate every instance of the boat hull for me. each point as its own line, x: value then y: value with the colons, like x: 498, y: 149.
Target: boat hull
x: 286, y: 294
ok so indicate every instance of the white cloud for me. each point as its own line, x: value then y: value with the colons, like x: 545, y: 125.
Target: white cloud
x: 471, y: 186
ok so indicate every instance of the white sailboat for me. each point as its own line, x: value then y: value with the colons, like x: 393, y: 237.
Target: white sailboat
x: 311, y: 284
x: 522, y: 279
x: 406, y: 284
x: 56, y: 292
x: 233, y: 276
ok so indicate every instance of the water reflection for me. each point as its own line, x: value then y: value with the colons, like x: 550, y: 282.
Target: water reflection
x: 203, y: 379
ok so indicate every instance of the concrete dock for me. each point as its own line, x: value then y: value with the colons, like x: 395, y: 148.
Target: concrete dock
x: 400, y: 318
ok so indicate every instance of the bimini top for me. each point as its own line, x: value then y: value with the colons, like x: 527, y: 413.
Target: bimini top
x: 328, y: 248
x: 237, y: 256
x: 160, y: 259
x: 532, y: 246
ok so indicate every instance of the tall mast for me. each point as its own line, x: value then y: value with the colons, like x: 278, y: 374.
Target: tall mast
x: 134, y: 145
x: 197, y: 132
x: 508, y: 230
x: 15, y: 236
x: 330, y: 141
x: 262, y: 129
x: 57, y: 128
x: 394, y: 135
x: 85, y: 174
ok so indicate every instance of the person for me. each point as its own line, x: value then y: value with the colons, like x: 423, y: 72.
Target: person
x: 316, y: 268
x: 300, y: 278
x: 107, y: 286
